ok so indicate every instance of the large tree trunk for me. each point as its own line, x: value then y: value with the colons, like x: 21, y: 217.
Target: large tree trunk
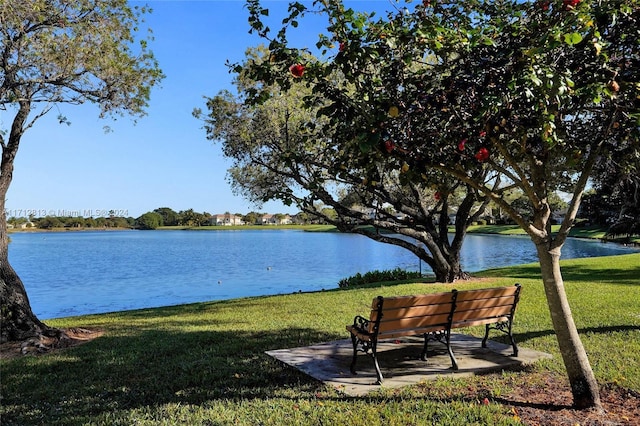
x: 446, y: 271
x: 18, y: 320
x: 584, y: 386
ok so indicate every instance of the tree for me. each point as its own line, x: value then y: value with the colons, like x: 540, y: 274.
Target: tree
x: 75, y: 222
x: 49, y: 222
x: 536, y: 91
x: 149, y: 220
x: 252, y: 218
x: 283, y: 151
x: 169, y: 216
x: 56, y: 52
x: 191, y: 218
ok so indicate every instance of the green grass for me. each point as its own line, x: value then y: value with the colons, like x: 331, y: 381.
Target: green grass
x: 205, y: 363
x: 592, y: 232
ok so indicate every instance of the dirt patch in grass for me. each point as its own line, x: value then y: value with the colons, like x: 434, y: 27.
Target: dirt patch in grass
x: 43, y: 345
x: 545, y: 400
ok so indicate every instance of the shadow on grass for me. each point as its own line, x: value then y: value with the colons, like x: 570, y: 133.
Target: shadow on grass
x: 629, y: 276
x: 150, y: 368
x: 523, y: 337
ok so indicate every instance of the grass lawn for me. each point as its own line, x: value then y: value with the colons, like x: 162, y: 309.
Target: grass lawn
x: 578, y: 232
x: 205, y: 363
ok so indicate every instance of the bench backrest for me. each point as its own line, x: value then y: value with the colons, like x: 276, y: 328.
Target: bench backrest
x: 485, y: 306
x: 407, y: 315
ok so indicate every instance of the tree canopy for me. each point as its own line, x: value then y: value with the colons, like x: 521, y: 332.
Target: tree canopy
x: 532, y: 92
x: 284, y: 150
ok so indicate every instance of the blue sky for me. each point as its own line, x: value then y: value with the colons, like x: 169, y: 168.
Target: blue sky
x: 165, y: 159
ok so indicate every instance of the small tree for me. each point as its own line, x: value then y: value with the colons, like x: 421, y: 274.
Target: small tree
x: 60, y: 52
x: 535, y: 91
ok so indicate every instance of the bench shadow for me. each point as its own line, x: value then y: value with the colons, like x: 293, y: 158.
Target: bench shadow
x: 523, y: 337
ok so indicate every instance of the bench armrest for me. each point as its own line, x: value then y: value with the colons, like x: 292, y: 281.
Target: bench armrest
x: 361, y: 324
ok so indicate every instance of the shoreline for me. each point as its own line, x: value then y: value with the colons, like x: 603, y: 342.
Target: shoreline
x: 503, y: 230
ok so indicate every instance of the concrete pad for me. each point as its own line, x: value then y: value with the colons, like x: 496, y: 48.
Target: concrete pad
x: 400, y: 363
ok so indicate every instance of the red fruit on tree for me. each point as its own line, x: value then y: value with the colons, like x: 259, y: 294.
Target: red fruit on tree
x: 482, y: 155
x: 389, y: 146
x: 570, y: 4
x: 297, y: 70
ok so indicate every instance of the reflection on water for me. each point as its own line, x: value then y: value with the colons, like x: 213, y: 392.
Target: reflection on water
x: 78, y: 273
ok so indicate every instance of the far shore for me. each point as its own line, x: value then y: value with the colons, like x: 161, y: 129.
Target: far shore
x: 588, y: 232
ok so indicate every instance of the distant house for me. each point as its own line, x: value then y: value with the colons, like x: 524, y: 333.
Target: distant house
x: 226, y: 219
x: 276, y: 219
x: 284, y: 219
x: 268, y: 219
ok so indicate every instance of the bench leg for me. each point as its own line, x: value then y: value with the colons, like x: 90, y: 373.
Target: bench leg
x: 486, y: 336
x: 423, y: 355
x: 501, y: 327
x: 454, y: 363
x: 374, y: 346
x: 367, y: 347
x: 354, y: 341
x: 445, y: 339
x: 513, y: 342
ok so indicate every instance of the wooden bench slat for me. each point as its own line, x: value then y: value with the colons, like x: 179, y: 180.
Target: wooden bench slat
x: 413, y: 311
x: 418, y: 300
x: 486, y: 293
x: 497, y: 311
x: 408, y: 332
x: 415, y: 322
x: 471, y: 323
x: 484, y: 303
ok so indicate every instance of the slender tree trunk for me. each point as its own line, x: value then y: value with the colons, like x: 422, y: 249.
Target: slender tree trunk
x: 584, y: 386
x: 18, y: 320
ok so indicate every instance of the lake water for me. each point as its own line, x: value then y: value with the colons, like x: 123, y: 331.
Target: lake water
x: 77, y: 273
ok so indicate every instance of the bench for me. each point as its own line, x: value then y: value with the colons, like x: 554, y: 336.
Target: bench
x: 434, y: 316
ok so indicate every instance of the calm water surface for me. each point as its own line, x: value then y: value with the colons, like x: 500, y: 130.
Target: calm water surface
x: 79, y: 273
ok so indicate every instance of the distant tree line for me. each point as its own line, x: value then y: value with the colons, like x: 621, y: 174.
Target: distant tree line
x: 163, y: 216
x: 50, y: 222
x: 612, y: 203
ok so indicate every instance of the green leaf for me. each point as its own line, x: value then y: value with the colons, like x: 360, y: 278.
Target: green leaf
x: 535, y: 80
x: 572, y: 38
x: 488, y: 41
